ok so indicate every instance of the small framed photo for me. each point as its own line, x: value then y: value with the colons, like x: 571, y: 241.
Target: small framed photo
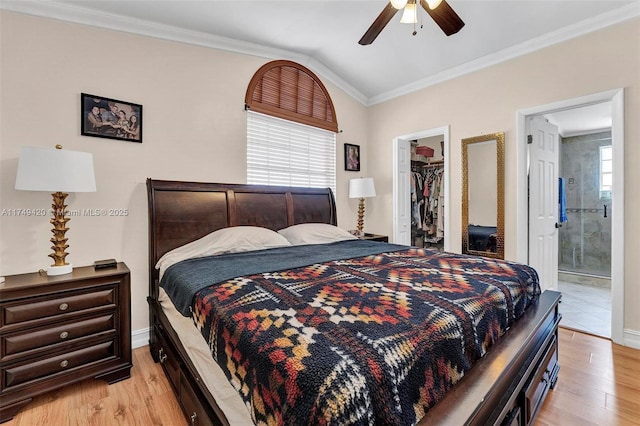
x: 351, y: 157
x: 110, y: 118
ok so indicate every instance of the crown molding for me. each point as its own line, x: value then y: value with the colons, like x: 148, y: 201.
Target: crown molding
x: 79, y: 15
x: 69, y: 13
x: 579, y: 29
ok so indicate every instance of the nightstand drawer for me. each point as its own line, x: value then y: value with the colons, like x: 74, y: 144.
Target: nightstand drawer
x: 45, y: 336
x: 36, y: 369
x: 33, y: 310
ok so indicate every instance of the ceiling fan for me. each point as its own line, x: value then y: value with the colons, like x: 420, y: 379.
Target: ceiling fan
x: 446, y: 18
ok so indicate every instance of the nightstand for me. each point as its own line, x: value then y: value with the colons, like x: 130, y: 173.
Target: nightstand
x: 58, y: 330
x: 375, y: 237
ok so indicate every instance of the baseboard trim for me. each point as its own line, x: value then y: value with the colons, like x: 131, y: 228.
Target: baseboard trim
x: 139, y: 338
x: 631, y: 338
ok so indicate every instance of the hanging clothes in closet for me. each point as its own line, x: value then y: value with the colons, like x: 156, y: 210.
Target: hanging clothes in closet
x: 427, y: 204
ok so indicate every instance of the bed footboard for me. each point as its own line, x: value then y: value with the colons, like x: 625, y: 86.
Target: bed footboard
x: 508, y: 386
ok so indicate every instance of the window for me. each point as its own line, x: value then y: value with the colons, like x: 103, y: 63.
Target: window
x: 606, y: 171
x: 281, y: 152
x: 291, y: 128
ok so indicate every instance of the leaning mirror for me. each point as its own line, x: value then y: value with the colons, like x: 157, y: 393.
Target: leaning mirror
x: 483, y: 195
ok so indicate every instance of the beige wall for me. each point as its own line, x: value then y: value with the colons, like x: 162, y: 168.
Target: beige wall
x: 194, y: 129
x: 486, y: 102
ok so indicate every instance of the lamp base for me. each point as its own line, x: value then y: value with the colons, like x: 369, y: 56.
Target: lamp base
x: 60, y: 270
x: 360, y: 225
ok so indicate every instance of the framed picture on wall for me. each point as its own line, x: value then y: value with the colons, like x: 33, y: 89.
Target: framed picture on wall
x: 110, y: 118
x: 351, y: 157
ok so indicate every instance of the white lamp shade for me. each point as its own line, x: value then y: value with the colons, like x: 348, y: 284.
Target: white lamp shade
x: 362, y: 188
x: 410, y: 14
x: 433, y: 3
x: 55, y: 170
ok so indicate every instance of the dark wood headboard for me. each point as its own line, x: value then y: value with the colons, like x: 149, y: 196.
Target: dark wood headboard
x: 181, y: 212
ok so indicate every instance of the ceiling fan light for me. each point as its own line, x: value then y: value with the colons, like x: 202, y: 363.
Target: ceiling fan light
x: 433, y: 3
x: 399, y: 4
x: 409, y: 15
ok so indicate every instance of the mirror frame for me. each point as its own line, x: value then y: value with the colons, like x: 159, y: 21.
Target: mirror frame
x: 499, y: 138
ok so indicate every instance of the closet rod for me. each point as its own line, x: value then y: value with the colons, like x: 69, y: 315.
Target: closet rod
x: 437, y: 163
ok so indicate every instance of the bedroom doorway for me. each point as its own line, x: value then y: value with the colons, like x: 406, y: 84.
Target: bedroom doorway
x: 616, y: 215
x: 402, y: 169
x: 584, y: 250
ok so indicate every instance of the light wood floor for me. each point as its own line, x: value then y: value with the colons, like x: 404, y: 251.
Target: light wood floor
x: 599, y: 384
x: 144, y: 399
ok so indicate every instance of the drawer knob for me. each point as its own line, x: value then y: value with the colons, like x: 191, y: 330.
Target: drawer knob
x: 162, y: 357
x: 64, y: 363
x: 194, y: 418
x: 63, y: 307
x: 64, y: 335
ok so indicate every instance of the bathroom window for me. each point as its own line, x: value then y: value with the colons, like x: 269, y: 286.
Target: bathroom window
x: 606, y: 171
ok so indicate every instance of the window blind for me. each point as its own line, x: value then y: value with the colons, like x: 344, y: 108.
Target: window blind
x: 290, y: 91
x: 282, y: 152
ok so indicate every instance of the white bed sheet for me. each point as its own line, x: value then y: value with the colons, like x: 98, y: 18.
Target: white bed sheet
x: 225, y: 395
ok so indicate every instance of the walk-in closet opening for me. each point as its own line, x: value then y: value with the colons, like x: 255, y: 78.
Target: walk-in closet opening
x: 427, y: 192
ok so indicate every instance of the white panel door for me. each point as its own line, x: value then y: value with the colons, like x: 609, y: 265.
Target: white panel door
x: 544, y: 157
x: 401, y: 192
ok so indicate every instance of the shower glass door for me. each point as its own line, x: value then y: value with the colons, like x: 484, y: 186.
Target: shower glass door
x: 585, y: 239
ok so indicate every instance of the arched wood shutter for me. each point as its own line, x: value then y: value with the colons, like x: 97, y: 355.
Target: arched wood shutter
x: 288, y: 90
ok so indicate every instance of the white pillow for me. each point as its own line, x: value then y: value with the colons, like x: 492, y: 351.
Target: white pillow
x: 315, y: 233
x: 226, y: 240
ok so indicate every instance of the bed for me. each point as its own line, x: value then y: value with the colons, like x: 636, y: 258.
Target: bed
x: 507, y: 385
x: 482, y: 238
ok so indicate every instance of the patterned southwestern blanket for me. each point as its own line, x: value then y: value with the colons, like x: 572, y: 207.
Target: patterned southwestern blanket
x: 370, y: 340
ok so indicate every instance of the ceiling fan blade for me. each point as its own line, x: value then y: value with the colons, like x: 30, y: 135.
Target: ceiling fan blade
x: 381, y: 21
x: 445, y: 17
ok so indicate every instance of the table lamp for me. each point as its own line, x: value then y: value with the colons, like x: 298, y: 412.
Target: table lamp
x: 59, y: 171
x: 361, y: 188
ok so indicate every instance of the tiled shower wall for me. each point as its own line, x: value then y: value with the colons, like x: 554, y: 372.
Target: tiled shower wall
x: 585, y: 240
